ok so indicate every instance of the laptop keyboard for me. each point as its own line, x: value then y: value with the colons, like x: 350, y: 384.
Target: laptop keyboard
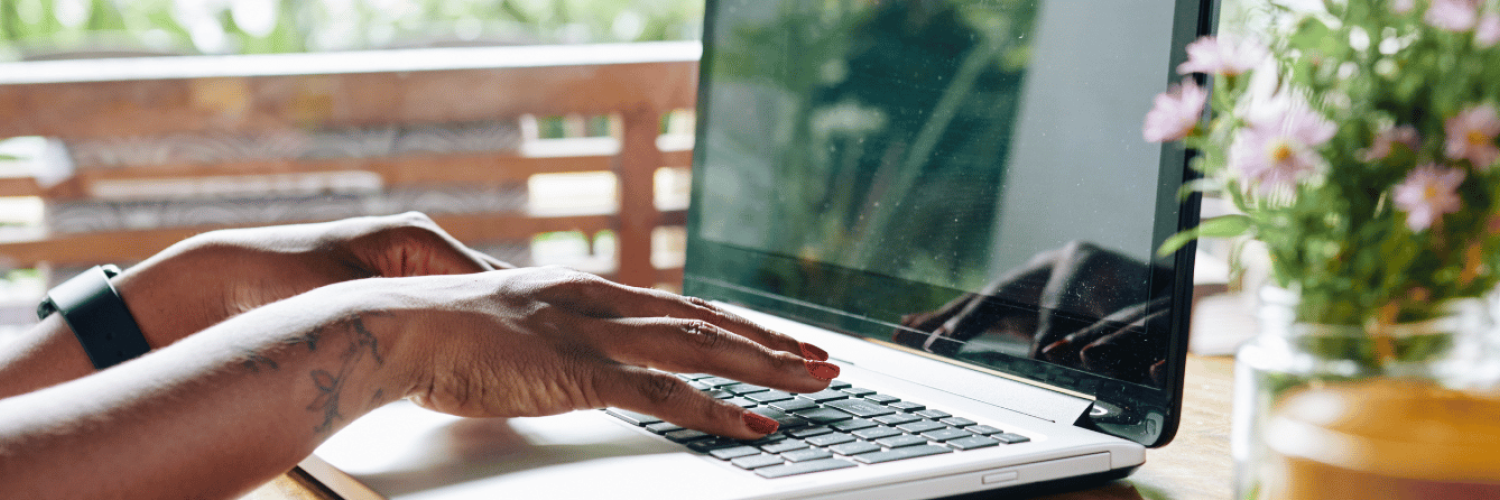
x: 837, y: 428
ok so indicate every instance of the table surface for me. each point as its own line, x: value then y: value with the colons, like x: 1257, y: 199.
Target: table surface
x: 1196, y: 465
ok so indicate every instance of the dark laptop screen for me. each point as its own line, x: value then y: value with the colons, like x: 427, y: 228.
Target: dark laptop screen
x: 963, y: 178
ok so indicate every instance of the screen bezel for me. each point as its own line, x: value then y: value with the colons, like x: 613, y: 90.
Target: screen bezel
x: 1131, y: 411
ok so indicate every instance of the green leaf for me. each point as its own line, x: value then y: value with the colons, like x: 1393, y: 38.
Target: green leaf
x: 1218, y: 227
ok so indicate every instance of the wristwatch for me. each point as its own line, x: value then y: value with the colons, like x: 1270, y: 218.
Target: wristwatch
x: 94, y: 310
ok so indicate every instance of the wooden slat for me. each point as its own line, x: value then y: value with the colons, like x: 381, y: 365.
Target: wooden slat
x: 135, y: 245
x: 172, y: 97
x: 19, y: 186
x: 395, y: 171
x: 636, y: 170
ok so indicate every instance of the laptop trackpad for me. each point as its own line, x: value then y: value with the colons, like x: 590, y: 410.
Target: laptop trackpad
x: 402, y: 450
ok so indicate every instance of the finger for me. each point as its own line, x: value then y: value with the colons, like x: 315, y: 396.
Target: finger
x: 658, y: 303
x: 601, y: 298
x: 671, y: 399
x: 693, y: 345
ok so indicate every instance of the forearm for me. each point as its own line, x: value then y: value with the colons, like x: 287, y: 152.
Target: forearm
x: 212, y: 415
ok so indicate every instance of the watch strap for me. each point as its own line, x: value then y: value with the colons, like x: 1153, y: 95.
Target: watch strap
x: 94, y: 310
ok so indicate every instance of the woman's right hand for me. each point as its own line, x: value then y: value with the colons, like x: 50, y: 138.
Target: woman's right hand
x: 543, y: 341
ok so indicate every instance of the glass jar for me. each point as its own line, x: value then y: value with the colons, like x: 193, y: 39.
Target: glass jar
x: 1390, y: 412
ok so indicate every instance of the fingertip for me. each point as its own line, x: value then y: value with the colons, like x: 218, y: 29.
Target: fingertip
x: 822, y: 370
x: 812, y: 352
x: 757, y: 423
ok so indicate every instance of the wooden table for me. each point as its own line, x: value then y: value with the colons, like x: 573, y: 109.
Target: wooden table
x: 1196, y: 465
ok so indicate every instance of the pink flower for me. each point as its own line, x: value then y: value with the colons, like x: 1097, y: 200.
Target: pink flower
x: 1175, y: 113
x: 1487, y: 32
x: 1471, y: 136
x: 1278, y: 148
x: 1403, y: 6
x: 1427, y: 193
x: 1380, y: 148
x: 1453, y: 15
x: 1225, y: 55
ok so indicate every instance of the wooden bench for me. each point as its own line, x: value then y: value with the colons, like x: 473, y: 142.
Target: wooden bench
x: 110, y: 113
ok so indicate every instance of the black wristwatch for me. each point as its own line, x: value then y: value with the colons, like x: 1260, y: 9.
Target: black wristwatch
x: 94, y: 310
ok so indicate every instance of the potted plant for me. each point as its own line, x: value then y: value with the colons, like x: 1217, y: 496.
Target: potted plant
x: 1359, y: 143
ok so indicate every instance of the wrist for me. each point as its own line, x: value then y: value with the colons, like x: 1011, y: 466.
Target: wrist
x: 376, y: 317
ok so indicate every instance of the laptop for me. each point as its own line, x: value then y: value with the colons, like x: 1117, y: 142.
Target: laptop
x: 954, y: 200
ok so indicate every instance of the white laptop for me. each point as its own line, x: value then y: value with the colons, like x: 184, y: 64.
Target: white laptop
x: 951, y: 197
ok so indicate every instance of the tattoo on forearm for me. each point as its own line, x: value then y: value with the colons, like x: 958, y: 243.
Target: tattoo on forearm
x: 330, y: 384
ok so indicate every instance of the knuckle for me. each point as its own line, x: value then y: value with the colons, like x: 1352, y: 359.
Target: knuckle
x: 659, y: 388
x: 704, y: 335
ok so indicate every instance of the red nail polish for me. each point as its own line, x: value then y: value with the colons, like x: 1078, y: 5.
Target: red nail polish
x: 810, y: 351
x: 759, y: 423
x: 822, y: 370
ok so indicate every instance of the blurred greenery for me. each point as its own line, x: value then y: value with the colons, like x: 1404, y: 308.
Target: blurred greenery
x: 34, y: 29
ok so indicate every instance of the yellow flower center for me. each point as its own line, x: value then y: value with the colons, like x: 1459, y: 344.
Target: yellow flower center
x: 1431, y: 192
x: 1477, y: 138
x: 1281, y: 152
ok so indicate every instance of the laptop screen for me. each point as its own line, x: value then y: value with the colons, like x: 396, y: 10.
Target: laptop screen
x: 964, y: 178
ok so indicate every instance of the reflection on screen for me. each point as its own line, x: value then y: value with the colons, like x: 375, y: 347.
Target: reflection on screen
x: 989, y: 149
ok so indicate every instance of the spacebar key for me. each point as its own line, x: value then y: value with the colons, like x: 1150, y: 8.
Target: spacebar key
x: 802, y: 468
x: 901, y: 453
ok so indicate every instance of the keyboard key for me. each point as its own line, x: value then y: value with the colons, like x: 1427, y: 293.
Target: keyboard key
x: 946, y: 434
x: 734, y: 452
x: 711, y: 444
x: 897, y: 419
x: 823, y: 415
x: 718, y: 394
x: 1009, y: 438
x: 957, y: 421
x: 884, y: 399
x: 806, y: 455
x: 774, y: 437
x: 685, y: 435
x: 921, y: 426
x: 808, y: 432
x: 857, y: 391
x: 970, y: 443
x: 768, y: 396
x: 826, y: 395
x: 784, y: 470
x: 634, y: 418
x: 794, y: 404
x: 783, y: 420
x: 983, y: 430
x: 876, y: 432
x: 933, y: 414
x: 693, y: 376
x: 784, y: 446
x: 699, y: 385
x: 717, y: 381
x: 742, y: 402
x: 743, y: 389
x: 830, y: 439
x: 906, y: 406
x: 853, y: 425
x: 860, y: 408
x: 900, y: 441
x: 838, y: 384
x: 663, y: 427
x: 753, y: 462
x: 900, y: 454
x: 854, y: 448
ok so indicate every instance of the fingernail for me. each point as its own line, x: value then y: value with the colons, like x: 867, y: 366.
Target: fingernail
x: 822, y: 370
x: 759, y: 423
x: 810, y: 351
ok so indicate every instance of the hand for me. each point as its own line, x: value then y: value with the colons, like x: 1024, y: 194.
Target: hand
x: 533, y: 342
x: 1042, y: 304
x: 210, y: 277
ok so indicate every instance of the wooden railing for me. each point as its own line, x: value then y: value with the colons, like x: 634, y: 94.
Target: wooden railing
x: 83, y: 102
